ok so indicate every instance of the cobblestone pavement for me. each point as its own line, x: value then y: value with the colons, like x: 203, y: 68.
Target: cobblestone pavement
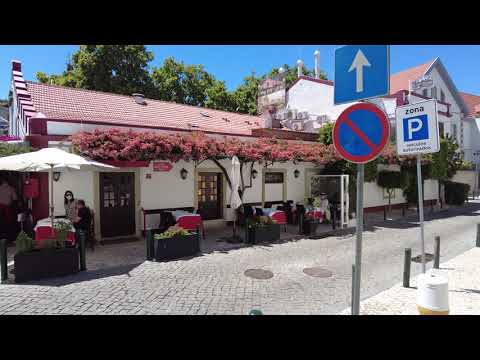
x: 119, y: 281
x: 463, y: 275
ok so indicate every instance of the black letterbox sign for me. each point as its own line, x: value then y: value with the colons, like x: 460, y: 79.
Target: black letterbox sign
x: 274, y: 178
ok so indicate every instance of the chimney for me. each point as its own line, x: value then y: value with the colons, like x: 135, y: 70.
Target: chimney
x: 139, y: 99
x: 16, y: 65
x: 299, y: 68
x: 316, y: 55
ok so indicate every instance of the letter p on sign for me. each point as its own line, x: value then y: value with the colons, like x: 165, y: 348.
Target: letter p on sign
x: 415, y: 128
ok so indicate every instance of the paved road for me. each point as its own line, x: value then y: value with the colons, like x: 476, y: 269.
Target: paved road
x: 215, y: 282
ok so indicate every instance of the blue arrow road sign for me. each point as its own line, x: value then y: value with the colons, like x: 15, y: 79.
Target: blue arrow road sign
x: 361, y: 72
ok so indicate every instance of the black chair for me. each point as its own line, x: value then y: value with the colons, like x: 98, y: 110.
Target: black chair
x: 248, y: 211
x: 268, y: 205
x: 166, y: 220
x: 258, y: 211
x: 287, y: 207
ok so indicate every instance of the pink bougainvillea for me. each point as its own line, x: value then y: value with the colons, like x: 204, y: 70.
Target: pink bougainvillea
x: 9, y: 138
x: 196, y: 146
x: 129, y: 145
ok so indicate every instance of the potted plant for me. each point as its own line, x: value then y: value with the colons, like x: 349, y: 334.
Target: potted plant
x: 310, y: 225
x: 176, y: 243
x: 51, y: 259
x: 262, y: 228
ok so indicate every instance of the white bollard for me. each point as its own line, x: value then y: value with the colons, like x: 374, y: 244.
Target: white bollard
x: 432, y: 294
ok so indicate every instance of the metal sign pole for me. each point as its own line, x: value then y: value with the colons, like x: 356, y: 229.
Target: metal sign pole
x: 420, y: 192
x: 420, y: 208
x: 358, y: 242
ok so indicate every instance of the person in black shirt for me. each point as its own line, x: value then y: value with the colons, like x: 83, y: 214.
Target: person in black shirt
x: 82, y: 221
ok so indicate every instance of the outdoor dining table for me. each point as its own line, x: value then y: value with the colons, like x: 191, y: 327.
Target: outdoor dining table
x: 188, y: 220
x: 46, y: 223
x: 316, y: 213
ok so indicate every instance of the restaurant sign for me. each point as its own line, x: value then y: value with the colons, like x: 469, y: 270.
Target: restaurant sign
x: 162, y: 166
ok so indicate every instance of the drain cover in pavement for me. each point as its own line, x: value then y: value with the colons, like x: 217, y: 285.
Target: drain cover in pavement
x: 259, y: 274
x: 418, y: 258
x: 318, y: 272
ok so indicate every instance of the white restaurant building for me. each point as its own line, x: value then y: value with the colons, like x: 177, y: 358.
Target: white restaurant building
x: 46, y: 115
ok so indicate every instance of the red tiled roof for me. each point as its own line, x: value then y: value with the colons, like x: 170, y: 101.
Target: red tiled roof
x: 400, y: 81
x: 71, y: 104
x: 472, y: 101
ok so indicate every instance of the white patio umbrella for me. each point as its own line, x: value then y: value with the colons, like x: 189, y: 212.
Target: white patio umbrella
x: 235, y: 201
x: 49, y: 159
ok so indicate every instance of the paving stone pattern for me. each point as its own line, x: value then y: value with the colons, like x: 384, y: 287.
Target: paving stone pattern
x: 119, y: 281
x: 463, y: 275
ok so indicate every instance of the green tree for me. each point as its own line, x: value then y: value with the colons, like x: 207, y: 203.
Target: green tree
x: 291, y: 73
x: 389, y: 180
x: 121, y: 69
x: 245, y: 96
x: 219, y: 98
x: 325, y: 134
x: 445, y: 163
x: 184, y: 84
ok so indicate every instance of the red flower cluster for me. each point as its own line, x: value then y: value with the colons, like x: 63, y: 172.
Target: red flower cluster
x: 9, y: 138
x: 129, y: 145
x: 196, y: 146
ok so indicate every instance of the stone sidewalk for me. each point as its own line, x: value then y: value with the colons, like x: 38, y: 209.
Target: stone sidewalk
x: 463, y: 274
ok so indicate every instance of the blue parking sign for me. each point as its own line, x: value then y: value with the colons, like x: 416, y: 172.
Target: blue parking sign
x: 361, y: 72
x: 415, y: 128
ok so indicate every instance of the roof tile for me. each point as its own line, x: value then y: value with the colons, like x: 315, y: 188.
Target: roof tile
x: 472, y: 101
x: 400, y: 80
x: 72, y: 104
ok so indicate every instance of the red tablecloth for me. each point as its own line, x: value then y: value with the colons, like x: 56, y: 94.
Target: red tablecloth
x: 190, y: 222
x: 45, y: 232
x: 316, y: 214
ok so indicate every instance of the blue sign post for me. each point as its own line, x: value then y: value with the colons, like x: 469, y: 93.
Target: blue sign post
x: 361, y: 72
x: 360, y: 134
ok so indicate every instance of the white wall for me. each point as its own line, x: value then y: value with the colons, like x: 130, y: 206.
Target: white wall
x: 316, y: 98
x: 454, y: 107
x: 79, y: 182
x: 373, y: 194
x: 167, y: 189
x: 466, y: 177
x: 472, y: 139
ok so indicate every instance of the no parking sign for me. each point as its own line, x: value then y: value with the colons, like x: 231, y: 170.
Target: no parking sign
x: 361, y: 133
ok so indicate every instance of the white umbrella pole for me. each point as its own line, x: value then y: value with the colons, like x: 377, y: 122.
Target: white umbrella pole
x: 51, y: 195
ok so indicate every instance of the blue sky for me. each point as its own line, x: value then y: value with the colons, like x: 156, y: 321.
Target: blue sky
x: 232, y: 63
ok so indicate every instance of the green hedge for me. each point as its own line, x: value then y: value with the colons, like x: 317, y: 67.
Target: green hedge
x: 456, y: 193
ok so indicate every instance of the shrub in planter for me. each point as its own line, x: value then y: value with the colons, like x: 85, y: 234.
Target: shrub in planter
x: 23, y: 243
x: 262, y: 228
x: 51, y: 259
x: 176, y: 243
x: 456, y: 193
x: 309, y: 225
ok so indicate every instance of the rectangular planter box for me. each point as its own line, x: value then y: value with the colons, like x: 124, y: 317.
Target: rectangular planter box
x: 267, y: 233
x: 310, y: 227
x: 174, y: 248
x: 45, y: 263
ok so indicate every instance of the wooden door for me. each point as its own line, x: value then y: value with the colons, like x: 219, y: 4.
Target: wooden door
x: 210, y: 195
x: 117, y: 204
